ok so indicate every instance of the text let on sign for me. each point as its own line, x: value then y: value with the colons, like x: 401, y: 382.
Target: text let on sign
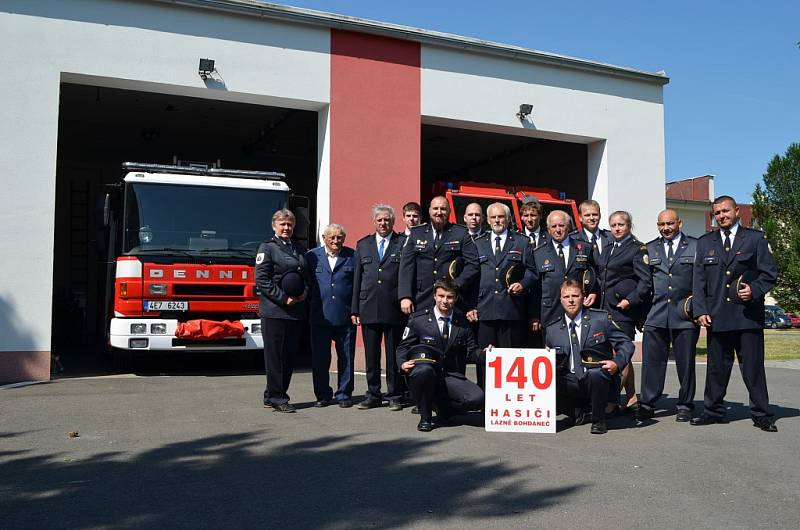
x: 520, y: 390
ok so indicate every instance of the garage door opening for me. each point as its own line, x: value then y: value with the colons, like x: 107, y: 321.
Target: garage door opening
x: 451, y: 156
x: 99, y: 129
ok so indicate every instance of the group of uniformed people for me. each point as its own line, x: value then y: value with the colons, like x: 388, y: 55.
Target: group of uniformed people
x: 440, y: 294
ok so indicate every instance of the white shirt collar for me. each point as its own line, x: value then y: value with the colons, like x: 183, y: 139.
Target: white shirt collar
x: 438, y: 315
x: 565, y: 243
x: 675, y: 240
x: 578, y: 319
x: 378, y: 238
x: 733, y: 229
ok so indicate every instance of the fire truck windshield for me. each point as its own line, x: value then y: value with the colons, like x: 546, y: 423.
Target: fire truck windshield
x: 184, y: 219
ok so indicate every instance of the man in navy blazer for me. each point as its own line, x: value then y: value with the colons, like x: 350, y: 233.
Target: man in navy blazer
x: 330, y: 269
x: 668, y: 323
x: 376, y: 307
x: 733, y: 271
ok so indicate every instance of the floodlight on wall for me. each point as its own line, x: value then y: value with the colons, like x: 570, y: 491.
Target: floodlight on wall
x: 206, y: 68
x: 524, y: 111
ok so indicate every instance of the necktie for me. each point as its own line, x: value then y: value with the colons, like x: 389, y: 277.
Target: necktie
x: 613, y: 248
x: 670, y: 253
x: 727, y: 243
x: 381, y: 249
x: 594, y: 243
x: 497, y: 245
x: 445, y: 328
x: 561, y: 255
x: 576, y: 348
x: 437, y: 240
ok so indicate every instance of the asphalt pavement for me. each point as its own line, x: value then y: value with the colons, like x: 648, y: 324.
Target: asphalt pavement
x: 200, y: 451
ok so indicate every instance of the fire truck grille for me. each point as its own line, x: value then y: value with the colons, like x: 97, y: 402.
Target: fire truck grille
x: 200, y: 289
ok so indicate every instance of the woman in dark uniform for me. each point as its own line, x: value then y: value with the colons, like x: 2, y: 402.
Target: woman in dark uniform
x: 280, y: 269
x: 625, y: 286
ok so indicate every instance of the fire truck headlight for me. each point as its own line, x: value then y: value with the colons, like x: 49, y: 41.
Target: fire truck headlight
x: 158, y: 329
x: 138, y: 329
x: 255, y: 328
x: 159, y: 289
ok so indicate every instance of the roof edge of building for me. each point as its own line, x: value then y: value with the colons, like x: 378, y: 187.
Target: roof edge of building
x: 335, y: 21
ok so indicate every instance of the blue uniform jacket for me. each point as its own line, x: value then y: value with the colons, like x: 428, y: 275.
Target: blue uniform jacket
x: 375, y: 283
x: 494, y: 302
x: 273, y: 260
x: 422, y: 328
x: 602, y: 334
x: 672, y: 283
x: 331, y: 290
x: 629, y: 261
x: 714, y: 270
x: 421, y: 264
x: 545, y: 304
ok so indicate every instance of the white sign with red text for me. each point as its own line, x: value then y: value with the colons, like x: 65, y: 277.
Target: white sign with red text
x: 520, y: 390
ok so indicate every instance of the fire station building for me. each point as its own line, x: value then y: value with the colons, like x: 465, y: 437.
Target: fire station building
x: 354, y: 112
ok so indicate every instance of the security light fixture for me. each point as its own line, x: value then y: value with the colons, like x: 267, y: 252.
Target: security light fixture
x: 206, y: 68
x: 524, y: 111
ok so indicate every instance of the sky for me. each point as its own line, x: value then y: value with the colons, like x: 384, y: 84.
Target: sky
x: 734, y: 66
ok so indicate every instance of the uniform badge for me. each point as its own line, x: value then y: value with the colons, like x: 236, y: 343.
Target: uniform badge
x: 547, y: 262
x: 259, y: 258
x: 646, y: 259
x: 406, y: 332
x: 711, y: 252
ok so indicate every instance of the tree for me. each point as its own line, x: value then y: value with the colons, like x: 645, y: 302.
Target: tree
x: 776, y: 207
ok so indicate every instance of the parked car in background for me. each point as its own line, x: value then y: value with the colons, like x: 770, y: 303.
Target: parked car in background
x: 795, y: 319
x: 776, y: 318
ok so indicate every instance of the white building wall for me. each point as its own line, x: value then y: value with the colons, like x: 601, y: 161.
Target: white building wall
x: 621, y: 120
x: 120, y: 44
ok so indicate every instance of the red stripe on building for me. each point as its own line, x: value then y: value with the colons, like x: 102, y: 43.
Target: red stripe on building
x: 374, y: 127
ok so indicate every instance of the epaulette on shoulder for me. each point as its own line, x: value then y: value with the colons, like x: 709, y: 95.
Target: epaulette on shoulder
x: 594, y: 310
x: 708, y: 234
x: 554, y: 321
x: 365, y: 238
x: 483, y: 235
x: 653, y: 241
x: 421, y: 312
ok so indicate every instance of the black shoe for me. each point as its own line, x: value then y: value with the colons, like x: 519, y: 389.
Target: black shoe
x: 707, y: 419
x: 369, y: 403
x: 599, y: 427
x: 415, y: 410
x: 320, y: 403
x: 642, y: 415
x: 267, y: 405
x: 425, y: 425
x: 683, y: 415
x: 284, y: 407
x: 765, y: 423
x: 395, y: 404
x: 582, y: 417
x: 345, y: 403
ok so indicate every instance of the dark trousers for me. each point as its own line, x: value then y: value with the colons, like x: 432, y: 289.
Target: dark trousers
x: 748, y: 345
x: 655, y: 353
x: 588, y: 392
x: 500, y: 334
x: 281, y: 339
x: 448, y: 393
x: 344, y: 338
x: 391, y: 335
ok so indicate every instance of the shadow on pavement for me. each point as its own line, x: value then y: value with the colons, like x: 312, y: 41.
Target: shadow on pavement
x: 229, y: 481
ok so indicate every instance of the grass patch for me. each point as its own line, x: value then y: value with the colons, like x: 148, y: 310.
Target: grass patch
x: 779, y: 345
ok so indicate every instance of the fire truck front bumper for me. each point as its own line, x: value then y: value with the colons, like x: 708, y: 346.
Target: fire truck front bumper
x: 159, y: 334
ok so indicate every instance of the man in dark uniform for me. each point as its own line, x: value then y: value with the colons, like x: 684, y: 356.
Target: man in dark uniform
x: 500, y: 309
x: 591, y: 233
x: 441, y: 385
x: 560, y: 259
x: 671, y: 268
x: 376, y: 307
x: 530, y: 214
x: 581, y: 329
x: 282, y: 315
x: 733, y: 271
x: 428, y: 254
x: 473, y: 220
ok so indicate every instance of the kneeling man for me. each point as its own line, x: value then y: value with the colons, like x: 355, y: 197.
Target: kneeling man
x: 591, y: 352
x: 437, y: 344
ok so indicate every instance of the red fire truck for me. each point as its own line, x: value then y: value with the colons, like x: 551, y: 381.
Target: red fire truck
x: 185, y: 239
x: 460, y: 194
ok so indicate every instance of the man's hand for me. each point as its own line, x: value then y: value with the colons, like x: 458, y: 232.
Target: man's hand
x: 623, y: 304
x: 589, y: 300
x: 406, y: 306
x: 407, y: 366
x: 609, y: 366
x: 472, y: 315
x: 704, y: 320
x: 745, y: 293
x: 515, y: 289
x: 355, y: 319
x: 536, y: 325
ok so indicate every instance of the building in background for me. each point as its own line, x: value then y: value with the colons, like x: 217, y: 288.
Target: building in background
x: 692, y: 199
